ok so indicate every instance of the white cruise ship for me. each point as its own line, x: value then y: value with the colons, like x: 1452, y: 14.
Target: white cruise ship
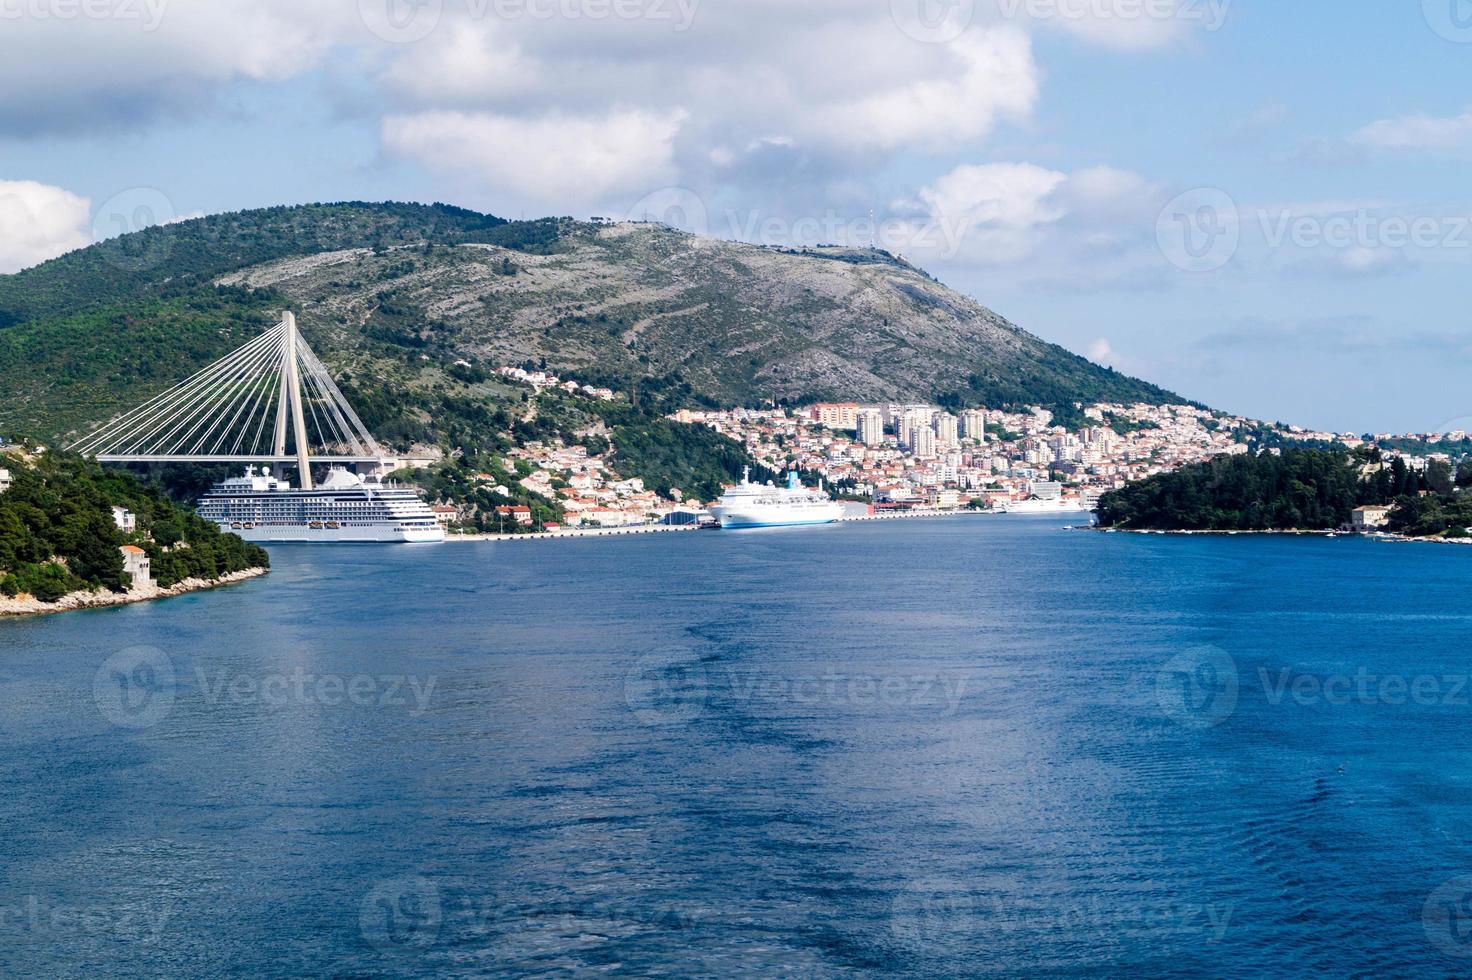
x: 765, y: 505
x: 344, y: 508
x: 1058, y: 505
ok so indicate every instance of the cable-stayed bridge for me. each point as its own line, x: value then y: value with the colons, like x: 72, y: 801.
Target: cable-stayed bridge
x: 271, y: 401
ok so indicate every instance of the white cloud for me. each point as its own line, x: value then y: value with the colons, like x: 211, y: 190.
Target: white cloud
x: 464, y: 65
x: 39, y: 222
x: 147, y: 58
x: 555, y: 160
x: 1123, y: 24
x: 986, y: 76
x: 1100, y: 351
x: 997, y: 213
x: 1006, y: 195
x: 1418, y: 132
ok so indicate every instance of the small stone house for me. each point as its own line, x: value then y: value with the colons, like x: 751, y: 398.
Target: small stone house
x: 136, y: 566
x: 1370, y: 518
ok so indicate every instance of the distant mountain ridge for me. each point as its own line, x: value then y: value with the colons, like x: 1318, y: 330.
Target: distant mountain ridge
x: 394, y: 294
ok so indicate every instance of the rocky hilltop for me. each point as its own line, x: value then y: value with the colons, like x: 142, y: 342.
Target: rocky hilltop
x: 396, y: 294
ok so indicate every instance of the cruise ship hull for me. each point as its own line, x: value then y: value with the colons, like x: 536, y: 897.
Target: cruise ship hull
x: 734, y: 518
x: 295, y: 533
x: 1042, y: 507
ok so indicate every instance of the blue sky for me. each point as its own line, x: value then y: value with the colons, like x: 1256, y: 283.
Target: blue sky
x: 1259, y: 205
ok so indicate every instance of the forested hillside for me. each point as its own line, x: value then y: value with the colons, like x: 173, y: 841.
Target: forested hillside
x: 1297, y: 489
x: 57, y: 533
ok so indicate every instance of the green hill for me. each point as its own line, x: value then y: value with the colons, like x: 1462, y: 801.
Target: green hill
x: 391, y: 295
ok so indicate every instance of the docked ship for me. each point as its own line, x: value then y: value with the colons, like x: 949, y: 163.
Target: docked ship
x: 766, y: 505
x: 1058, y: 505
x: 343, y: 508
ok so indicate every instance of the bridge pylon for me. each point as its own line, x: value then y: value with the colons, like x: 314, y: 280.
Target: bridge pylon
x: 270, y: 401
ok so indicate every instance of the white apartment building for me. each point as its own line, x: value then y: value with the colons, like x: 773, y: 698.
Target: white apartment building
x: 870, y: 425
x: 4, y: 480
x: 947, y: 434
x: 973, y: 424
x: 912, y: 421
x: 922, y: 442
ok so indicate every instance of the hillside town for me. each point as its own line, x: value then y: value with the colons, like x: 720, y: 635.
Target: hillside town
x: 915, y: 455
x: 906, y: 457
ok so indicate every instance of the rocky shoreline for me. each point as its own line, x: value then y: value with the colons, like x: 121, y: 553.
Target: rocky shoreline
x: 30, y: 606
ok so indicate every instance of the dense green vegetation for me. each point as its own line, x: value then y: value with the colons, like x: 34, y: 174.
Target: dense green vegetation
x: 460, y: 481
x: 666, y: 455
x: 57, y: 533
x: 1298, y: 489
x: 167, y: 260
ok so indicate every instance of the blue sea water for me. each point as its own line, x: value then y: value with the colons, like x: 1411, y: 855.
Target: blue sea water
x: 949, y: 747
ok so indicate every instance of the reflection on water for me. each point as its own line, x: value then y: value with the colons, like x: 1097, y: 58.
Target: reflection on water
x: 925, y: 747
